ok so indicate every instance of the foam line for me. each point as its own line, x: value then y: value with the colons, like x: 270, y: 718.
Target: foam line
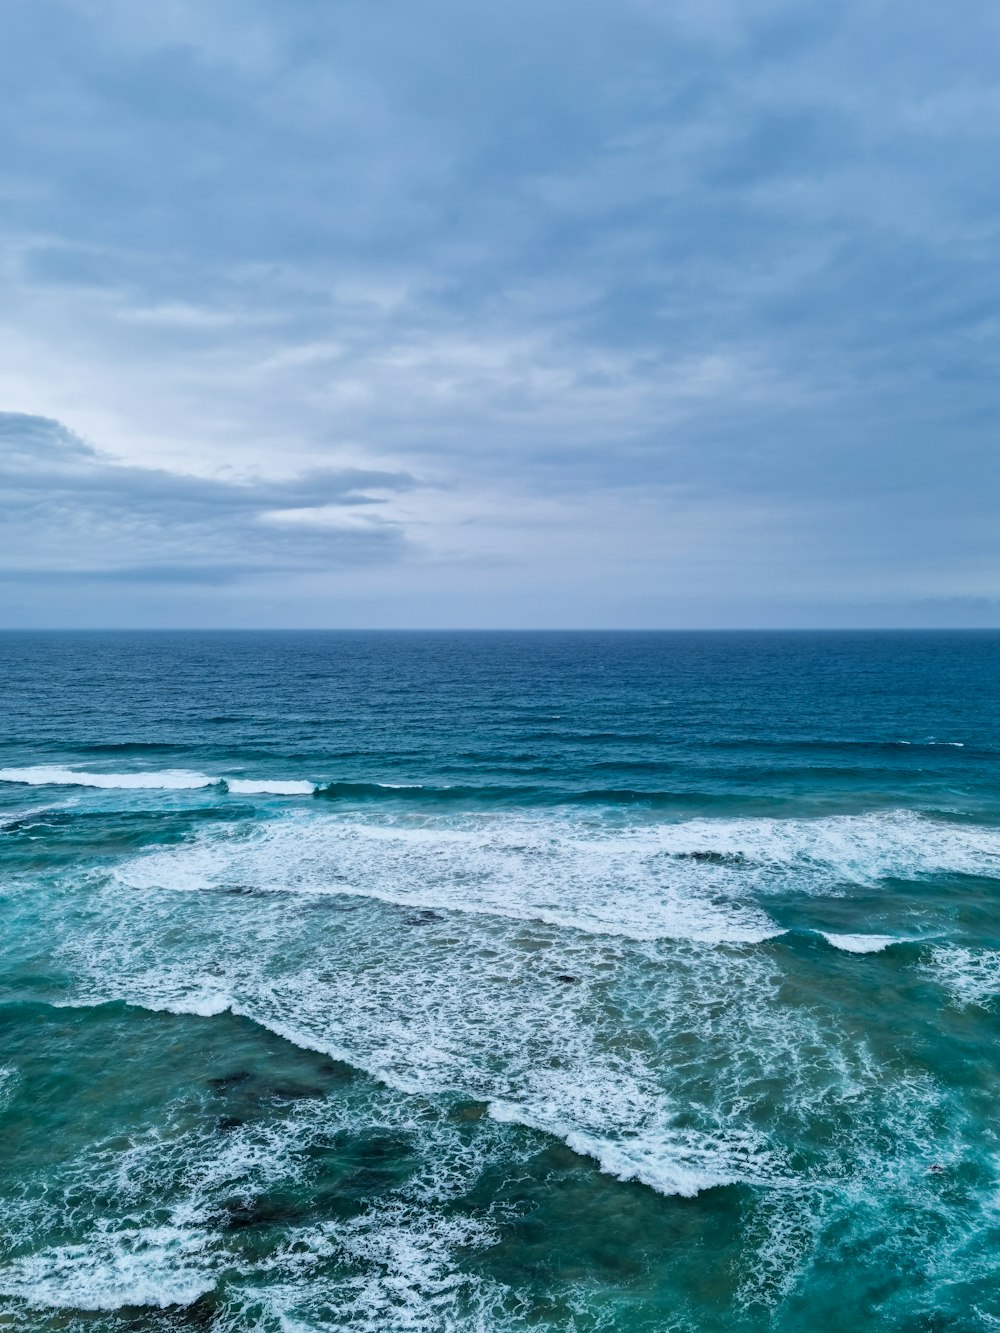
x: 172, y: 779
x: 45, y: 775
x: 578, y: 879
x: 276, y: 787
x: 703, y: 880
x: 860, y: 943
x: 670, y: 1162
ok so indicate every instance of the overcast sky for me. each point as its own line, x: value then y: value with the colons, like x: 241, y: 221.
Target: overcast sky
x: 497, y: 313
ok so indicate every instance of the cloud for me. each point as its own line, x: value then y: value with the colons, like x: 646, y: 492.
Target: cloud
x: 725, y: 265
x: 68, y: 511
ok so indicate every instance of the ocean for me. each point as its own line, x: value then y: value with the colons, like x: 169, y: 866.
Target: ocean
x: 499, y: 981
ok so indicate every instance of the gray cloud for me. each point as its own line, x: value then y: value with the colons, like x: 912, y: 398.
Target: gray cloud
x: 69, y: 512
x: 677, y: 307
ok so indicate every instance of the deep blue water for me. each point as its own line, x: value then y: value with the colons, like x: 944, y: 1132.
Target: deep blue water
x: 499, y: 981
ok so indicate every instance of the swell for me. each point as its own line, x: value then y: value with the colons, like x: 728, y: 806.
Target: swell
x: 512, y: 796
x: 876, y: 746
x: 55, y: 775
x: 703, y: 795
x: 177, y: 779
x: 126, y: 747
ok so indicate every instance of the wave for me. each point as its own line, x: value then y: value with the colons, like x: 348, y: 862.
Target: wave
x: 276, y: 787
x: 496, y: 795
x: 856, y: 943
x: 671, y: 1160
x: 162, y: 1218
x: 648, y: 1061
x: 861, y: 943
x: 171, y: 779
x: 23, y: 818
x: 567, y: 875
x: 704, y: 880
x: 829, y: 743
x: 517, y: 795
x: 51, y: 775
x: 180, y: 779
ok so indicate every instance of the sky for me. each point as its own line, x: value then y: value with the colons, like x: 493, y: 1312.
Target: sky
x: 461, y: 313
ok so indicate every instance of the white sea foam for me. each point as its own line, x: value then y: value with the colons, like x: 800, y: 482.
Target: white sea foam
x: 572, y: 875
x: 25, y: 816
x: 9, y: 1080
x: 860, y: 943
x: 202, y: 1002
x: 507, y: 1013
x: 956, y: 745
x: 404, y: 1273
x: 703, y: 880
x: 268, y: 787
x: 669, y: 1160
x: 50, y: 775
x: 602, y: 1113
x: 970, y: 976
x: 824, y: 852
x: 171, y: 779
x: 568, y: 975
x: 153, y: 1266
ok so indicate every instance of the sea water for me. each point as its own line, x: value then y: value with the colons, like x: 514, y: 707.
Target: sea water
x: 388, y: 981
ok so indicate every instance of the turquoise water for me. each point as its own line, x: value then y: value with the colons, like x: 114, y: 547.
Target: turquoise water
x: 498, y: 981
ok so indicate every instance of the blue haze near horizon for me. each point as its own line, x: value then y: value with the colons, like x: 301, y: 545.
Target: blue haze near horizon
x: 398, y: 982
x: 437, y: 314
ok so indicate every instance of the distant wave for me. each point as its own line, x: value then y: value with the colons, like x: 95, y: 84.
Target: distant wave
x: 514, y: 795
x: 170, y: 779
x: 54, y: 775
x: 511, y: 795
x: 278, y: 787
x: 798, y: 744
x: 857, y: 943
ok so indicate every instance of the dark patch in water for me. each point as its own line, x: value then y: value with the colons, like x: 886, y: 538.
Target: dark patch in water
x: 936, y: 1322
x: 201, y: 1313
x: 468, y: 1112
x: 382, y: 1148
x: 425, y: 915
x: 235, y: 1080
x: 296, y: 1091
x: 242, y: 1213
x: 711, y: 858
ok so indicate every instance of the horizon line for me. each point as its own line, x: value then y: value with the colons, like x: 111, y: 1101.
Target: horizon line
x: 499, y: 629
